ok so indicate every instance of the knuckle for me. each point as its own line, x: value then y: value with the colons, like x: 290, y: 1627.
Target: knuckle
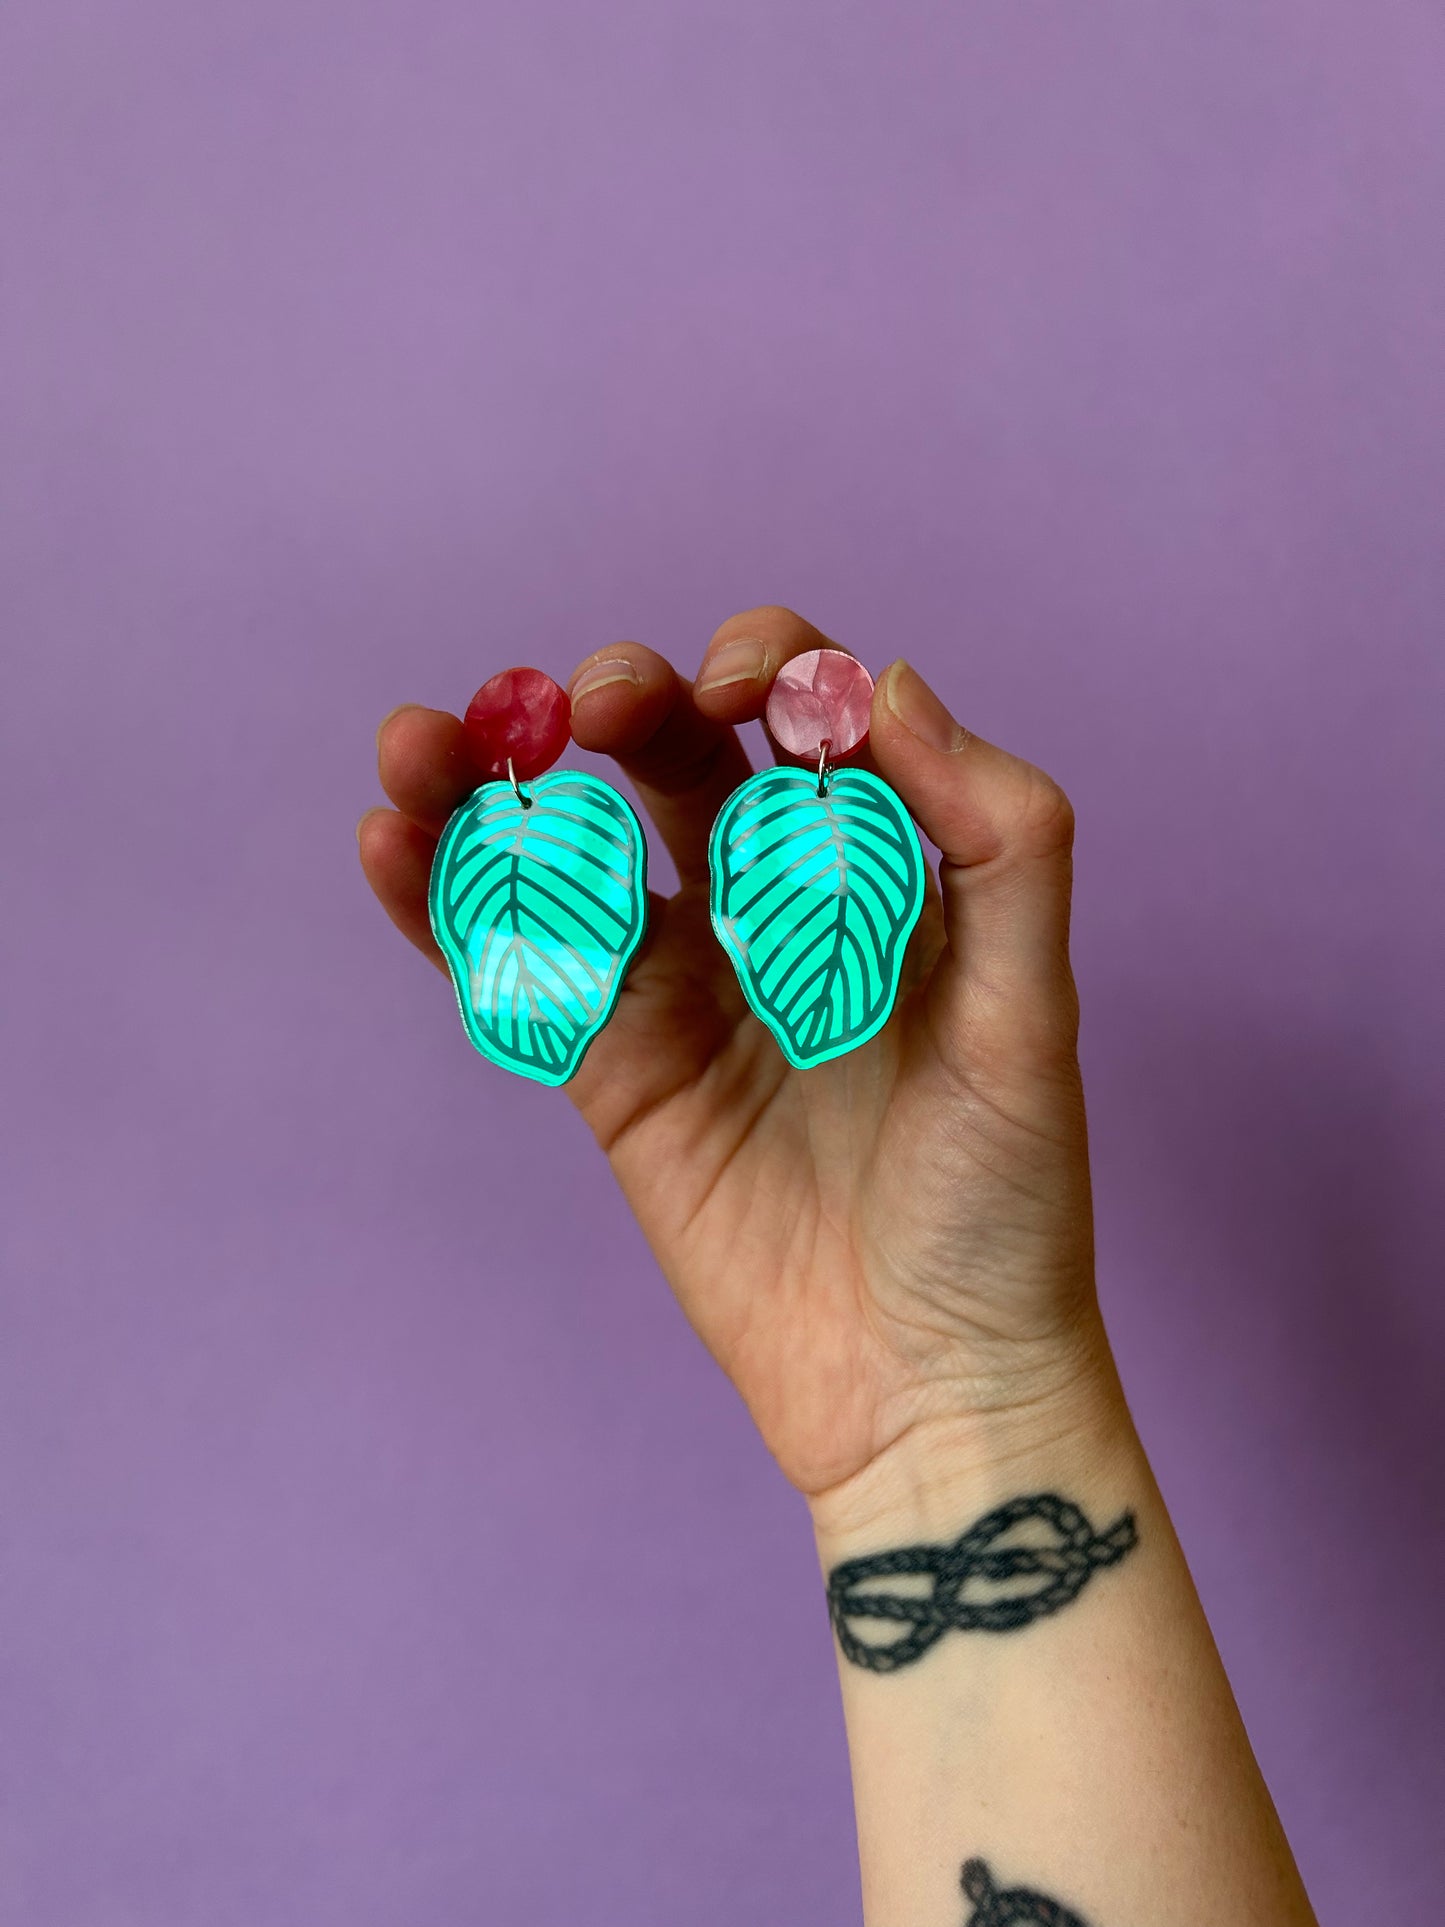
x: 1045, y: 820
x: 1032, y: 1041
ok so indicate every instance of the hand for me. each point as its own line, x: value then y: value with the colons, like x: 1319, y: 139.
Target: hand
x: 889, y: 1248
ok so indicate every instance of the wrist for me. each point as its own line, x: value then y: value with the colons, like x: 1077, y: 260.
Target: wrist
x: 1074, y: 1434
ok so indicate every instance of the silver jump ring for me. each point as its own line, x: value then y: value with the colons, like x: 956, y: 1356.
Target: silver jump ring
x: 824, y: 766
x: 517, y: 790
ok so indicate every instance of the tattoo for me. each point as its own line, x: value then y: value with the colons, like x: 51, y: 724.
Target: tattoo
x: 1061, y: 1569
x: 1011, y: 1906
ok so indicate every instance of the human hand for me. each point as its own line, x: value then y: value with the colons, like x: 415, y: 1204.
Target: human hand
x: 890, y: 1249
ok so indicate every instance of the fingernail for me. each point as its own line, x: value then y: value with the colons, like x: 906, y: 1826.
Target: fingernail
x: 918, y: 709
x: 393, y: 712
x: 600, y: 675
x: 742, y: 661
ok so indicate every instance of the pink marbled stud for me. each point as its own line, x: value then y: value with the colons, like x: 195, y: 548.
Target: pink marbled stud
x: 822, y: 697
x: 521, y: 714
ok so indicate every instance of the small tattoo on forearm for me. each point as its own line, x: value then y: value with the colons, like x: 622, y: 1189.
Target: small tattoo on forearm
x: 1010, y: 1906
x: 1052, y: 1573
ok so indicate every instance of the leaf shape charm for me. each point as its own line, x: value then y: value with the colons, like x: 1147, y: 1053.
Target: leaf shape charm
x: 813, y: 898
x: 538, y: 908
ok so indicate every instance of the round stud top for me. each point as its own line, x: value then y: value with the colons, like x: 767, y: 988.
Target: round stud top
x: 521, y: 715
x: 822, y: 697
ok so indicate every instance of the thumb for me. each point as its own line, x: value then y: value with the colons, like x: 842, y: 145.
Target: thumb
x: 1005, y: 831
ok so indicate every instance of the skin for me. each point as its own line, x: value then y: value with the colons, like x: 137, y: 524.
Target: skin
x: 892, y: 1247
x: 891, y: 1256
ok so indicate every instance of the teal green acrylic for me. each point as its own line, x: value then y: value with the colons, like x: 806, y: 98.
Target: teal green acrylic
x: 814, y: 898
x: 539, y: 907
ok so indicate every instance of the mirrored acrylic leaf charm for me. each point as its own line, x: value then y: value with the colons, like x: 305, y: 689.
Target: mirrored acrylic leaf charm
x: 538, y: 897
x: 817, y: 883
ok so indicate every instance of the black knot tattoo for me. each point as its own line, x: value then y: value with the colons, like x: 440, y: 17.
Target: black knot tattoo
x: 1040, y: 1578
x: 1010, y: 1906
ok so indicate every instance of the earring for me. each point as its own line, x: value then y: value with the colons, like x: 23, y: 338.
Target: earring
x: 817, y: 874
x: 538, y: 893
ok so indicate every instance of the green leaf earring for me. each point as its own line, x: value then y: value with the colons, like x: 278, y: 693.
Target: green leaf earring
x: 538, y: 893
x: 817, y: 874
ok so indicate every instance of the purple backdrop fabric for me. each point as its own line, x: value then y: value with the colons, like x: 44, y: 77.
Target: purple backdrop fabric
x: 379, y: 1548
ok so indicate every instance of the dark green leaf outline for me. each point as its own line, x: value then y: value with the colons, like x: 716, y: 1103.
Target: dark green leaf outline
x: 561, y: 885
x: 816, y: 893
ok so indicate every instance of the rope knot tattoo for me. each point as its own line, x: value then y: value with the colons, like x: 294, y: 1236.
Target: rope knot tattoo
x: 1010, y: 1906
x: 1044, y: 1577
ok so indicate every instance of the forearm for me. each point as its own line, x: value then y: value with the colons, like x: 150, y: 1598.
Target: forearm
x: 1092, y: 1753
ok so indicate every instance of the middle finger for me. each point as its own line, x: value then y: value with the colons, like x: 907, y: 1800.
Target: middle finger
x: 628, y: 702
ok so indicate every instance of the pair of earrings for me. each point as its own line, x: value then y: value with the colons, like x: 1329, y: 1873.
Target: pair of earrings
x: 538, y: 892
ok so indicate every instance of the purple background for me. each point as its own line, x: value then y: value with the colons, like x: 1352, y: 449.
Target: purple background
x: 379, y: 1548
